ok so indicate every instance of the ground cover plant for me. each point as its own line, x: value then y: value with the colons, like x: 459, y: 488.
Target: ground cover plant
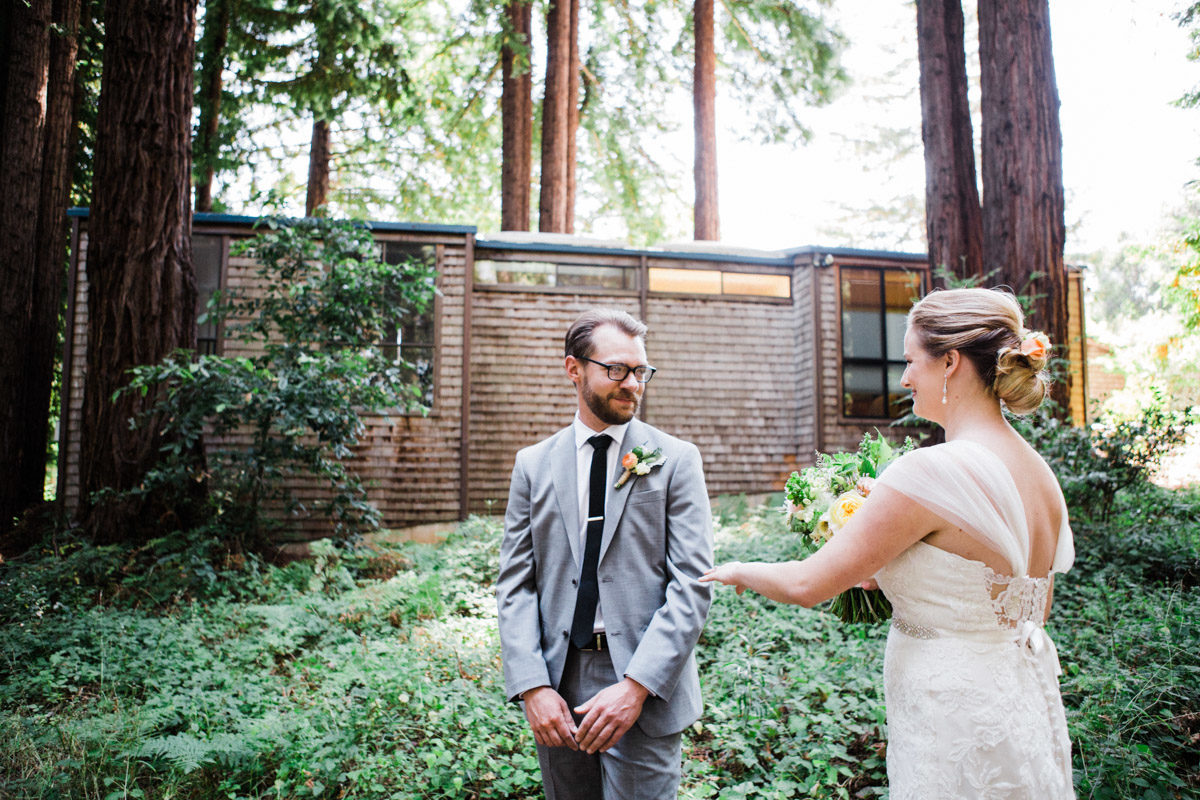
x: 375, y: 673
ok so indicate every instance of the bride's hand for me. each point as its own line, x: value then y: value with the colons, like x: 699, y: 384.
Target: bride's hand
x: 726, y: 574
x: 869, y: 584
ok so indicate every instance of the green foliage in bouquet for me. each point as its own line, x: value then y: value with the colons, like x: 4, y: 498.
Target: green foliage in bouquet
x: 820, y: 499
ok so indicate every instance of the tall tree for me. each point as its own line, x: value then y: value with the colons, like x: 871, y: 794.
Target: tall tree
x: 211, y: 58
x: 141, y: 287
x: 953, y: 220
x: 1024, y: 228
x: 706, y: 216
x: 552, y: 200
x: 35, y: 166
x: 573, y: 67
x: 26, y: 47
x: 516, y: 116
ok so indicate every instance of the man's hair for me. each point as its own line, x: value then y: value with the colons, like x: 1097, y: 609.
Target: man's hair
x: 579, y: 335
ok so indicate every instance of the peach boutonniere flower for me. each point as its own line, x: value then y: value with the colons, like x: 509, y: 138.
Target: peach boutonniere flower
x: 639, y: 462
x: 1035, y: 345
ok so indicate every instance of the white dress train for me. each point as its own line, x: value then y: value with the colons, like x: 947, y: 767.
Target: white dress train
x: 970, y: 676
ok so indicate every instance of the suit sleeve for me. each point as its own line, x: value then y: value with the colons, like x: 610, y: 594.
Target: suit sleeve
x: 516, y: 594
x: 667, y: 644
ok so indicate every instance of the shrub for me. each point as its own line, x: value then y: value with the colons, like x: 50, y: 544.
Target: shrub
x: 1094, y: 464
x: 313, y: 329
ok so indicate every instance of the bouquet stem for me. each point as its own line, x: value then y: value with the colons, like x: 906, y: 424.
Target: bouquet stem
x: 860, y: 605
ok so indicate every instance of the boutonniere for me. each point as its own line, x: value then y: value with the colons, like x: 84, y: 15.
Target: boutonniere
x: 638, y: 462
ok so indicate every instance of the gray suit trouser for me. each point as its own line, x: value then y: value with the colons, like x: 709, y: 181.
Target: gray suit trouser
x: 638, y: 767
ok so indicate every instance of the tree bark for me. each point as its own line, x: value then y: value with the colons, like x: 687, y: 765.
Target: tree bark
x: 517, y: 122
x: 22, y: 132
x: 1023, y: 205
x: 213, y: 43
x: 141, y: 286
x: 953, y: 220
x: 704, y: 102
x: 53, y: 239
x: 318, y: 168
x: 572, y: 119
x: 552, y: 202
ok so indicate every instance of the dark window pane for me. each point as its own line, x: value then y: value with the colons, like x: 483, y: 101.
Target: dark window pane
x: 207, y: 251
x: 899, y: 398
x: 862, y: 391
x: 860, y: 334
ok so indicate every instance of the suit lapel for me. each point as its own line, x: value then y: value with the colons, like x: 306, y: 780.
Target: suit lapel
x: 637, y: 433
x: 562, y: 466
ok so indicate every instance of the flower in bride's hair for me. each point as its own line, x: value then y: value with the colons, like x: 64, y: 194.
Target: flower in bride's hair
x: 1035, y: 344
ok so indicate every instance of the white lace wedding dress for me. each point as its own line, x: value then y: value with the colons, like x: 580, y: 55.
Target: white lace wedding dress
x: 973, y: 704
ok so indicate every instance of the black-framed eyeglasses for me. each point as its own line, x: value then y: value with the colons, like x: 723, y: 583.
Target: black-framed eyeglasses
x: 618, y: 372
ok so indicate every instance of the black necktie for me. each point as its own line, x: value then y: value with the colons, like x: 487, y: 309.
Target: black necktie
x: 589, y: 589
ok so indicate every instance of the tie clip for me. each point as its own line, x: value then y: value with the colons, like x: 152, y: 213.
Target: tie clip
x: 593, y: 519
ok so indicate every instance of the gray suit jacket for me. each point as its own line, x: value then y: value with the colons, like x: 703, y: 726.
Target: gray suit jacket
x: 657, y: 542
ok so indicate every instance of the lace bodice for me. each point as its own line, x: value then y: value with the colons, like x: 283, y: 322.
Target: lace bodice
x: 930, y: 587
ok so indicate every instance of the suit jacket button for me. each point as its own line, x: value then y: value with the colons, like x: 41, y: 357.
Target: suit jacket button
x: 574, y: 582
x: 566, y: 634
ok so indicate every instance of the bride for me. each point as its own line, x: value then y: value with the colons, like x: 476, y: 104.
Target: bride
x: 963, y: 538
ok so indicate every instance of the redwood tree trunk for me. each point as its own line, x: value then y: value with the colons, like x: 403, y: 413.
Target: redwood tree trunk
x: 216, y: 36
x: 552, y: 203
x: 53, y: 237
x: 318, y: 168
x: 572, y: 119
x: 22, y: 144
x: 517, y: 121
x: 141, y: 287
x: 704, y: 101
x: 1023, y: 206
x: 953, y: 221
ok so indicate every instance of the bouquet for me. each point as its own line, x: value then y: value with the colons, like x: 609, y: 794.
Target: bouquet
x: 821, y: 499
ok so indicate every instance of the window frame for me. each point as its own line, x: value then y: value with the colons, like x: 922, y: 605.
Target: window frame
x: 921, y: 270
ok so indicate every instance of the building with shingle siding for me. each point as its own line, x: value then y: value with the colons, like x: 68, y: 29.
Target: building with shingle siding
x: 764, y: 358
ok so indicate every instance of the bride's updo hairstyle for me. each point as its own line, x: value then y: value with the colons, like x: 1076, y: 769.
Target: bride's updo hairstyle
x: 986, y: 326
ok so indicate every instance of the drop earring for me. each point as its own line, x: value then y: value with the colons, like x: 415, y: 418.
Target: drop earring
x: 945, y: 381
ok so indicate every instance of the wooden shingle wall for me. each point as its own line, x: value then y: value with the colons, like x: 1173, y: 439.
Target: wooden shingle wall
x: 730, y: 382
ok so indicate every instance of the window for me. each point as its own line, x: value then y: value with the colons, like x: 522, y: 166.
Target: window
x: 875, y: 303
x: 543, y: 273
x: 413, y: 337
x: 207, y: 253
x: 713, y: 281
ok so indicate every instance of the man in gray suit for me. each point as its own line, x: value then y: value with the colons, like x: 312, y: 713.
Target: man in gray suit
x: 599, y: 602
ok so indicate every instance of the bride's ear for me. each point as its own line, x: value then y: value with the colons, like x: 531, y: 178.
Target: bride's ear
x: 952, y: 359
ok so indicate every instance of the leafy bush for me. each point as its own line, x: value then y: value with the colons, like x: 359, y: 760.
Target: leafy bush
x: 375, y: 673
x: 312, y: 327
x: 1094, y: 464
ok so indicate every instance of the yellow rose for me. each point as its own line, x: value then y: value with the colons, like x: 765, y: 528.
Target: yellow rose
x: 844, y: 508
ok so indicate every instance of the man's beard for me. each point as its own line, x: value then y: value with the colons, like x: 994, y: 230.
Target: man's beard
x: 599, y: 405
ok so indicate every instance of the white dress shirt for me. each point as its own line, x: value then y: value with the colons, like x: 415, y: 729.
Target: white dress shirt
x: 583, y: 471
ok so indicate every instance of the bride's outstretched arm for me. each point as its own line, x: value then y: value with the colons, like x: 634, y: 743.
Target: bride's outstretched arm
x: 886, y: 525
